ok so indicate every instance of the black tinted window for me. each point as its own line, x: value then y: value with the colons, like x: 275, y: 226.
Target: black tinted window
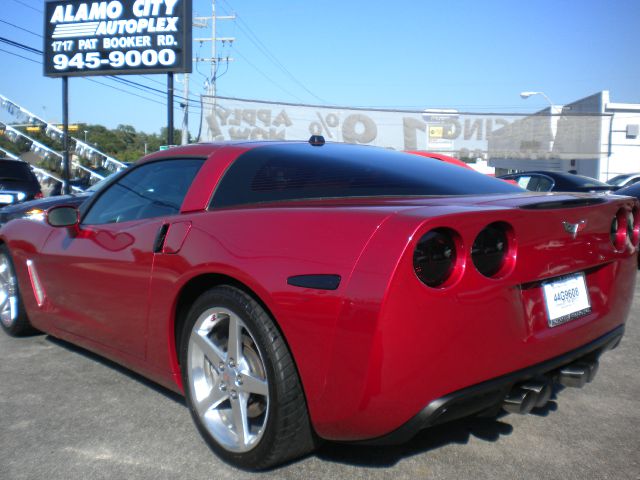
x: 151, y: 190
x: 298, y: 171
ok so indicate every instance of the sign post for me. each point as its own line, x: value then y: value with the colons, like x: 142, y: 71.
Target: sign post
x: 116, y: 37
x: 66, y: 187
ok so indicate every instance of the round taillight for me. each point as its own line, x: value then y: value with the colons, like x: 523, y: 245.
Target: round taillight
x: 490, y: 248
x: 434, y: 258
x: 619, y: 230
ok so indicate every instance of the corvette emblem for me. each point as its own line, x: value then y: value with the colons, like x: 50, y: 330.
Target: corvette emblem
x: 573, y: 228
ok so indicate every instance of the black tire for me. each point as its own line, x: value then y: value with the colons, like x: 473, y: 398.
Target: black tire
x: 275, y: 425
x: 13, y: 317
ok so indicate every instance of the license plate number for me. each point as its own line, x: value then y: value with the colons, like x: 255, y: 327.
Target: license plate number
x: 566, y: 298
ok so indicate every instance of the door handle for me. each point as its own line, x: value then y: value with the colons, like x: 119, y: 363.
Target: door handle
x: 158, y: 243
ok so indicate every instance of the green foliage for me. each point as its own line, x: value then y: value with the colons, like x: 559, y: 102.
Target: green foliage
x: 123, y: 143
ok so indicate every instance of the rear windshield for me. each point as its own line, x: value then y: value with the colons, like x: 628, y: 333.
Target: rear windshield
x: 301, y: 171
x: 15, y: 170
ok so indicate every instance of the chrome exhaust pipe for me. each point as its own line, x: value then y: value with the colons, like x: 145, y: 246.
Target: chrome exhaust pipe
x: 542, y: 387
x: 578, y: 374
x: 519, y: 400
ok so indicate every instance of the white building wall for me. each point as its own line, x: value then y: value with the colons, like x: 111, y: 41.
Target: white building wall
x: 592, y: 137
x: 622, y: 146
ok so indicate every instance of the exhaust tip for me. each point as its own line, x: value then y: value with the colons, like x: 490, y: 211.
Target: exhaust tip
x: 520, y: 401
x: 542, y: 387
x: 578, y: 374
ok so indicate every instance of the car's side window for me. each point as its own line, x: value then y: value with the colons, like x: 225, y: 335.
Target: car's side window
x: 151, y: 190
x: 544, y: 184
x: 523, y: 181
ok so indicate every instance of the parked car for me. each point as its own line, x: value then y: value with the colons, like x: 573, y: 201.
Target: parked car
x: 632, y: 190
x: 35, y: 209
x: 18, y: 183
x: 441, y: 157
x: 299, y: 291
x: 546, y: 181
x: 624, y: 180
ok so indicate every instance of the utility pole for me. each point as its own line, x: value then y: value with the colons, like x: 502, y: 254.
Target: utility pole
x: 185, y: 117
x: 202, y: 22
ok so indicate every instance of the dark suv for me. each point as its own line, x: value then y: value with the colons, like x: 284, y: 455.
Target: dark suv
x: 18, y: 183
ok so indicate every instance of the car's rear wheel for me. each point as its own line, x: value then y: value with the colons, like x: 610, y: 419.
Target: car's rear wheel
x: 13, y: 317
x: 241, y: 383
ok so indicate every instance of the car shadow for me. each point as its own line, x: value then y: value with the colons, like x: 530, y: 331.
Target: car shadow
x: 456, y: 432
x: 487, y: 429
x: 119, y: 368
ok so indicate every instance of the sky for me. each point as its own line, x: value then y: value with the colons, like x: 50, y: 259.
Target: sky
x: 474, y: 56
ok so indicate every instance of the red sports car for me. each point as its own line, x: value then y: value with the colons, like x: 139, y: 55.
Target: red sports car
x: 302, y: 291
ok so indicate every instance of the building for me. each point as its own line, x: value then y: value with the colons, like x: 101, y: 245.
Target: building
x: 591, y: 136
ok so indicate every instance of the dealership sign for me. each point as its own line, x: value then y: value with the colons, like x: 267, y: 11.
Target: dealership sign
x: 117, y: 37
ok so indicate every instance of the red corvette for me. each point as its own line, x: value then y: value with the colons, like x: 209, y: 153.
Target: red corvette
x: 304, y: 291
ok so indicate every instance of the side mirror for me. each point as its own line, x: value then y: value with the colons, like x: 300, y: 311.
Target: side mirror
x: 62, y: 216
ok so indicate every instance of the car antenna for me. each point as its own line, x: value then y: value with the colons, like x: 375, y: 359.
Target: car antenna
x: 316, y: 140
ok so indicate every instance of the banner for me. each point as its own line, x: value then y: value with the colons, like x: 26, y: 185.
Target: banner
x: 463, y: 135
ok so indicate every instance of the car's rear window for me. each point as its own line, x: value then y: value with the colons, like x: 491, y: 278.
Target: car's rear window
x: 16, y: 170
x: 301, y: 171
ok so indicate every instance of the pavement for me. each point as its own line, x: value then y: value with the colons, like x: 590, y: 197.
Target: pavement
x: 68, y: 414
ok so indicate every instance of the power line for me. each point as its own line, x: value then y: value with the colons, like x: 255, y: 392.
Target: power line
x: 20, y: 56
x: 28, y: 6
x: 270, y: 56
x: 20, y: 28
x: 20, y: 45
x: 267, y: 76
x: 123, y: 91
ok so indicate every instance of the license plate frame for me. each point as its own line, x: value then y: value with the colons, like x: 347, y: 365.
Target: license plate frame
x: 566, y: 298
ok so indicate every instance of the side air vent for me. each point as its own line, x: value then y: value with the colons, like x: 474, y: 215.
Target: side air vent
x: 573, y: 203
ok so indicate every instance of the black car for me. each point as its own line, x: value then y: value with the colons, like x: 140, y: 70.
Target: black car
x: 18, y: 183
x: 544, y: 181
x: 631, y: 190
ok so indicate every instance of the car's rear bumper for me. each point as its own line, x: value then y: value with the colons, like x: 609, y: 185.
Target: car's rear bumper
x: 491, y: 395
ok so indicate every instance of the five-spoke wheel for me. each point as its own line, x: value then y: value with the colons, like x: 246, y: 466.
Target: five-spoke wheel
x: 13, y: 319
x: 240, y: 381
x: 228, y: 380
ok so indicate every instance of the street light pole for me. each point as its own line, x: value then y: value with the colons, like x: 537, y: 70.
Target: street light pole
x: 525, y: 95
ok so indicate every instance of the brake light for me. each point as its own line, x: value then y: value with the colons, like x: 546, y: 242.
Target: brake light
x: 435, y: 258
x: 491, y: 250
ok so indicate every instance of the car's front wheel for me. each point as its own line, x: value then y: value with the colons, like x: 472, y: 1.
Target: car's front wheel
x: 13, y: 317
x: 240, y: 381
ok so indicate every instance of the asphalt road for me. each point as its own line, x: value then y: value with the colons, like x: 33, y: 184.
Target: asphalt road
x: 68, y: 414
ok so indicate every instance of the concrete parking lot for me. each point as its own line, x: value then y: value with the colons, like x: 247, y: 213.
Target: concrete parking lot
x: 68, y: 414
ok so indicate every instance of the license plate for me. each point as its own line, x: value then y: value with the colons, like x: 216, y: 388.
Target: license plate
x: 567, y: 298
x: 4, y: 198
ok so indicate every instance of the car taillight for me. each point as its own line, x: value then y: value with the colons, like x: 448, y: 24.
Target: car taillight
x: 619, y: 230
x: 490, y: 250
x: 435, y: 257
x: 38, y: 195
